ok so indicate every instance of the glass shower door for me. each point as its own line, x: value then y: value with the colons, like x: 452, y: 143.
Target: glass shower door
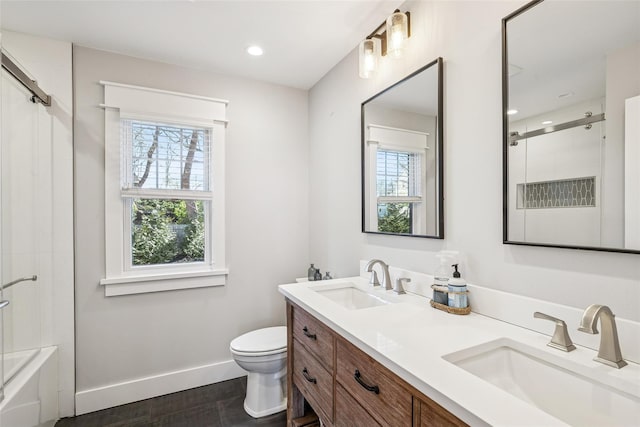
x: 21, y: 226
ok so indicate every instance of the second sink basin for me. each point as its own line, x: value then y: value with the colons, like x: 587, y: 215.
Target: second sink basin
x: 349, y: 296
x: 551, y: 384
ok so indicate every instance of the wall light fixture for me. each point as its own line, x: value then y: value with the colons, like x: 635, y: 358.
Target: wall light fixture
x: 389, y: 38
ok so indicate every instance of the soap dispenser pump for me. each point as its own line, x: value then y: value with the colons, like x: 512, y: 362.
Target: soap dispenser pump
x: 457, y: 290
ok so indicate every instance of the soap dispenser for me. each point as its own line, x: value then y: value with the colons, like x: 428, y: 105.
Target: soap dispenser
x: 311, y: 273
x: 457, y: 290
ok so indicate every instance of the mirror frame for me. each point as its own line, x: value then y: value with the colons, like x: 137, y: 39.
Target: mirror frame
x: 440, y: 150
x: 505, y: 149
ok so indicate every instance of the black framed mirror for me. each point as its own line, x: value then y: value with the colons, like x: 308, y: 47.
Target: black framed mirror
x: 402, y: 157
x: 571, y: 125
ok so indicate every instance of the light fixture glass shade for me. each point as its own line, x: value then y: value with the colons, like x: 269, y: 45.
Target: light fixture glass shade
x: 368, y: 53
x: 397, y: 33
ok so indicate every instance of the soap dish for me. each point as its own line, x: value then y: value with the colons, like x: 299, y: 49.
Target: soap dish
x: 444, y: 307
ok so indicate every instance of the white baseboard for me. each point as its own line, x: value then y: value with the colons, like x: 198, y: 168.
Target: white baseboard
x: 144, y: 388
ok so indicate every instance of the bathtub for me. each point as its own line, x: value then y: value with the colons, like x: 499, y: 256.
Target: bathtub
x: 31, y: 393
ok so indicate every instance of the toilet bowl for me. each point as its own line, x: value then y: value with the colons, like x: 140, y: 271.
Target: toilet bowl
x: 263, y: 354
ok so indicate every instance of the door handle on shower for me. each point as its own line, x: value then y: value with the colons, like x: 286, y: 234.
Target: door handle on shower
x: 3, y: 304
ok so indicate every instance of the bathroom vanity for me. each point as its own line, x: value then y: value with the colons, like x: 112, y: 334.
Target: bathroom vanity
x: 347, y: 387
x: 365, y: 356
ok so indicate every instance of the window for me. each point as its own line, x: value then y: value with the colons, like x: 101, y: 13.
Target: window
x: 396, y: 169
x: 398, y: 188
x: 165, y: 186
x: 164, y: 190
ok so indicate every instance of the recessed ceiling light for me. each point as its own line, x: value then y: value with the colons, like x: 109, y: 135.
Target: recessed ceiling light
x: 512, y: 111
x: 547, y: 122
x: 255, y: 50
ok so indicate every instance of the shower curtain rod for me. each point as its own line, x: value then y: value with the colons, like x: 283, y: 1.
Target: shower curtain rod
x: 38, y: 94
x: 589, y: 118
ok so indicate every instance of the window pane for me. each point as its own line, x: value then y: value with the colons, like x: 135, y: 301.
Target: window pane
x: 395, y: 217
x: 398, y: 173
x: 166, y: 156
x: 167, y: 231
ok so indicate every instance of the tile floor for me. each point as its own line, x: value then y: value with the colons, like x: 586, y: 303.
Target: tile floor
x: 216, y: 405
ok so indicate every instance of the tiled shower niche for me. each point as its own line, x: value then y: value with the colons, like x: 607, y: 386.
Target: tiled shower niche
x: 564, y: 193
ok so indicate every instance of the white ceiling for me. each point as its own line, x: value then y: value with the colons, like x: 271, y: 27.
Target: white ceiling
x: 302, y: 39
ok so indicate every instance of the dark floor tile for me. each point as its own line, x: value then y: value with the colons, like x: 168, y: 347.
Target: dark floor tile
x: 232, y: 413
x: 112, y: 417
x: 275, y: 420
x: 138, y: 422
x: 215, y: 405
x: 195, y: 397
x: 203, y: 416
x: 66, y: 422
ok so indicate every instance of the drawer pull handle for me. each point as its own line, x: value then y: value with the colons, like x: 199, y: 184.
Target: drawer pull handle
x: 307, y: 334
x: 307, y: 377
x: 372, y: 388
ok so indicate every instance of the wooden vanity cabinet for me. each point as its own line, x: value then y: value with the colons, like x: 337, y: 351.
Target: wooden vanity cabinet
x: 374, y: 387
x: 313, y: 380
x: 349, y: 413
x: 428, y: 413
x: 345, y: 386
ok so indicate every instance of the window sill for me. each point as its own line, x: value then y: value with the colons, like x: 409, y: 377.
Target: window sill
x: 158, y: 282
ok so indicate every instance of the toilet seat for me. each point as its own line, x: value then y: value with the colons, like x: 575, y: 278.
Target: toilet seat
x: 261, y: 342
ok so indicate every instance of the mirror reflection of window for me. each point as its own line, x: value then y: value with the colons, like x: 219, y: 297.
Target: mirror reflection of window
x: 399, y: 172
x: 399, y: 188
x: 402, y: 157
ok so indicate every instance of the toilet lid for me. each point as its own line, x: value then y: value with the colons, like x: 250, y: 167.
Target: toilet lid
x: 261, y: 340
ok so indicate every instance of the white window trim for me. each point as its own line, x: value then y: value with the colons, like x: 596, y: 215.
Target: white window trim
x: 141, y: 103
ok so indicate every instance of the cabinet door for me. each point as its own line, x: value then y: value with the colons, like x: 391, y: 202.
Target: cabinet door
x: 314, y: 335
x: 349, y: 413
x: 314, y: 381
x: 373, y: 386
x: 433, y: 415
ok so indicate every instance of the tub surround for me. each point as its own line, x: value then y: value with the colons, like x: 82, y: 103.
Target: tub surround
x: 31, y: 396
x: 411, y: 339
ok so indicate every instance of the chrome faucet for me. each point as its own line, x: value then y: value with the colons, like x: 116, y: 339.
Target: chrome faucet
x: 561, y: 339
x: 386, y: 280
x: 609, y: 351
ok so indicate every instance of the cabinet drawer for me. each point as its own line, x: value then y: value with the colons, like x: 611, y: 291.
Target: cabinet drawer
x: 373, y: 386
x: 433, y: 415
x: 317, y: 337
x: 349, y: 413
x: 314, y: 381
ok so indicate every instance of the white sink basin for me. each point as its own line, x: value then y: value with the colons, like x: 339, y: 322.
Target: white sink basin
x: 566, y: 391
x: 349, y: 296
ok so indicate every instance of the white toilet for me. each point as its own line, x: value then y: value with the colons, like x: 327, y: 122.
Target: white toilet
x: 263, y: 354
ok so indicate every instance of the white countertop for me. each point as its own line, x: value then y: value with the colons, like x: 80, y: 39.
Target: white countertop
x: 410, y: 338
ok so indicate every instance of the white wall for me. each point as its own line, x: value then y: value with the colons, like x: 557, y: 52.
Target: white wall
x: 467, y: 36
x: 49, y: 62
x: 127, y: 345
x: 623, y: 69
